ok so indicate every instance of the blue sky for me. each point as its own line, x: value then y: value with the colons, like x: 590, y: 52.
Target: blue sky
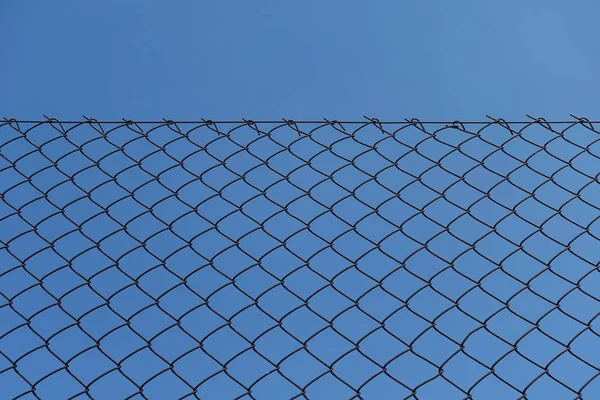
x: 311, y: 59
x: 308, y: 60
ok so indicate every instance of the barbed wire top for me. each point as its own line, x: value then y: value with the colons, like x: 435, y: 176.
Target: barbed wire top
x: 299, y: 259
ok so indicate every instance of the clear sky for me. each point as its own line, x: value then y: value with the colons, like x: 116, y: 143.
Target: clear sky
x: 312, y: 59
x: 298, y: 60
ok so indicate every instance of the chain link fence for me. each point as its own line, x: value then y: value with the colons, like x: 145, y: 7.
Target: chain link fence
x: 299, y: 260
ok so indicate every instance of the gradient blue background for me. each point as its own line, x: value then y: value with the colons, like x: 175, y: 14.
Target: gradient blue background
x: 311, y: 59
x: 303, y: 60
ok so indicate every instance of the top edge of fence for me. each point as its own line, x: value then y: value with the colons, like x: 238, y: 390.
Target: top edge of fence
x: 367, y: 120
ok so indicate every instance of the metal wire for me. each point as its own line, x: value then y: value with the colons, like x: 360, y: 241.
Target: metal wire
x: 490, y: 120
x: 299, y: 259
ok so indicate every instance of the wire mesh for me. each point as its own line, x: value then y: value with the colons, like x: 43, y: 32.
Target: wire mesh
x: 287, y: 260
